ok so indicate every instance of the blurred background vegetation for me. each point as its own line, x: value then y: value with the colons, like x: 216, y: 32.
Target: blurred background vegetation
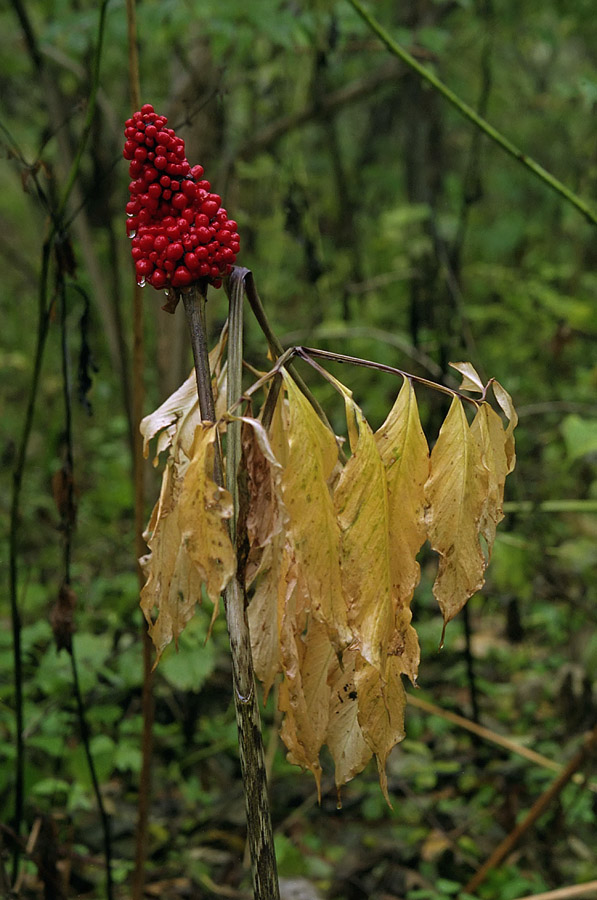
x: 378, y: 223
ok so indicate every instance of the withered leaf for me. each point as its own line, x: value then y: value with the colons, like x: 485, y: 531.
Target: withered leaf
x: 456, y: 494
x: 313, y: 529
x: 488, y: 431
x: 471, y: 380
x: 381, y: 704
x: 204, y: 510
x: 361, y: 503
x: 175, y: 420
x: 62, y: 618
x: 405, y: 454
x: 271, y: 557
x: 350, y: 751
x: 304, y: 693
x: 188, y: 542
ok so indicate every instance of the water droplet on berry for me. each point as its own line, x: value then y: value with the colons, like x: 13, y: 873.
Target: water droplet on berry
x: 132, y: 234
x: 130, y: 215
x: 141, y: 282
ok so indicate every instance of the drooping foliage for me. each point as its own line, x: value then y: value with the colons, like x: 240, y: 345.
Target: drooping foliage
x: 333, y: 543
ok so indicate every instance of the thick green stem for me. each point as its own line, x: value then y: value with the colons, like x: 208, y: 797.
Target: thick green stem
x: 469, y: 113
x: 259, y: 827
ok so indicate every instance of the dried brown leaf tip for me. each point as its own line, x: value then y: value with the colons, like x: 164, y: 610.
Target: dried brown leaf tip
x: 62, y: 617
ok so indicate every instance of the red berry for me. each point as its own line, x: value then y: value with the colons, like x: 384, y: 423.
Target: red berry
x: 143, y: 267
x: 158, y: 279
x: 172, y: 210
x: 175, y: 251
x: 181, y: 277
x: 179, y: 201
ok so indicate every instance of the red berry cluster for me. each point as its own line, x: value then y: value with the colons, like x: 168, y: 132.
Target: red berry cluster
x: 179, y: 230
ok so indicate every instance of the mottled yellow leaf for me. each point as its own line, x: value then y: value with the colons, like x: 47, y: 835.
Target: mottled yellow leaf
x: 312, y: 528
x: 350, y: 751
x: 305, y: 694
x: 488, y: 431
x: 405, y: 455
x: 204, y: 508
x: 381, y: 702
x: 456, y: 496
x: 505, y: 401
x: 173, y: 584
x: 361, y: 503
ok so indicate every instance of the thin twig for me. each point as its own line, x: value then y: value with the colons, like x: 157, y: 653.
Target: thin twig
x: 469, y: 113
x: 573, y: 890
x: 68, y: 516
x: 549, y: 506
x: 92, y: 771
x: 306, y: 352
x: 538, y: 807
x: 493, y: 737
x: 147, y: 698
x: 275, y: 347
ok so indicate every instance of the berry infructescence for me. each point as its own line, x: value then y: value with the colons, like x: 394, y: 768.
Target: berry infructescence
x: 180, y: 233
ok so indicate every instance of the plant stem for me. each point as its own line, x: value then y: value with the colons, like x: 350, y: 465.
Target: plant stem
x: 15, y: 515
x: 259, y: 827
x: 85, y: 737
x: 469, y: 113
x: 147, y: 698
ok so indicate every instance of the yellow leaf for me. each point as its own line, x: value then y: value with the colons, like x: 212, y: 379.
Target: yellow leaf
x: 350, y: 751
x: 488, y: 431
x: 471, y: 380
x: 313, y: 529
x: 305, y: 694
x: 173, y: 584
x: 456, y: 495
x: 404, y: 452
x: 505, y: 401
x: 381, y: 703
x: 361, y: 504
x: 205, y: 508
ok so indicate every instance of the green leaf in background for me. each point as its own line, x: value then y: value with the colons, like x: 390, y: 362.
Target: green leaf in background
x: 580, y: 436
x: 188, y: 668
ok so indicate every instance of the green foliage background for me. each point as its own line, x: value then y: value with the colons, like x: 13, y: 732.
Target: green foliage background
x: 377, y: 223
